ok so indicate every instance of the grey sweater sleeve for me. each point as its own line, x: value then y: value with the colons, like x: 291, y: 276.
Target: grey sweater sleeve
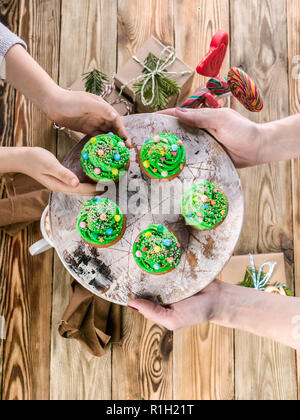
x: 7, y: 40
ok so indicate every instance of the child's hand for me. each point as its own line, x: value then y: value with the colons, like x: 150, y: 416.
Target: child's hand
x: 43, y: 166
x: 84, y: 112
x: 79, y: 111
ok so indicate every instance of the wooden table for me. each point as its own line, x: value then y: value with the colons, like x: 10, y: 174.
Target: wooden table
x: 204, y: 362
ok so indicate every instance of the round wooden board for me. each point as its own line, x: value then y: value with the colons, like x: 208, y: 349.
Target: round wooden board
x: 112, y: 273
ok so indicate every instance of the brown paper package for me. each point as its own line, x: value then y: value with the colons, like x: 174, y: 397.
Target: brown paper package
x: 235, y: 270
x: 114, y: 96
x: 132, y: 70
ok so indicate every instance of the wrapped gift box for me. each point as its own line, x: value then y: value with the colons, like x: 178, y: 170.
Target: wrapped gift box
x: 114, y: 96
x: 235, y: 270
x: 131, y: 70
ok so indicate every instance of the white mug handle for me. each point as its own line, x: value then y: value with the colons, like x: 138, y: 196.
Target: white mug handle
x: 39, y: 247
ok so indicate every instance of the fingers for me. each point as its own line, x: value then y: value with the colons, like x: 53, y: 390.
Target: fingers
x: 170, y: 111
x: 55, y: 185
x: 156, y: 313
x: 84, y: 190
x: 64, y: 175
x: 114, y: 119
x: 119, y: 127
x: 210, y: 119
x: 201, y: 118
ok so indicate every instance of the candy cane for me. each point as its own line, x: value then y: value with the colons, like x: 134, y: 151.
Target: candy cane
x: 201, y: 98
x: 218, y: 86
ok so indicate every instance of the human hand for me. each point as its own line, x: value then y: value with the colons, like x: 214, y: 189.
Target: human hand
x: 242, y: 138
x: 78, y: 111
x: 84, y: 112
x: 200, y: 308
x: 43, y: 166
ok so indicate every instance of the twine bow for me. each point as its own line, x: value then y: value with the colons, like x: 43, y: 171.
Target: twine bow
x: 260, y: 283
x: 160, y: 70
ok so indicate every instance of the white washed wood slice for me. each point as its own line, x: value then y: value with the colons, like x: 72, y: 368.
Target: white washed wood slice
x: 112, y: 273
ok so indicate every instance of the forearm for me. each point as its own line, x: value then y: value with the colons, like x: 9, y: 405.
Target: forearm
x: 263, y: 314
x: 13, y: 159
x: 281, y: 140
x: 24, y: 73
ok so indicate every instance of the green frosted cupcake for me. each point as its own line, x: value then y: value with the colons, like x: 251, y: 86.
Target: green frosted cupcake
x: 101, y: 223
x: 105, y: 158
x: 157, y: 250
x: 204, y: 206
x: 163, y: 157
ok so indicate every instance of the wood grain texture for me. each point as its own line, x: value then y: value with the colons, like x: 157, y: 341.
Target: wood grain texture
x: 142, y: 368
x: 293, y: 20
x: 9, y: 13
x: 197, y: 362
x: 196, y: 22
x: 142, y: 365
x: 203, y: 363
x: 26, y: 358
x: 138, y: 20
x: 75, y: 375
x: 203, y: 355
x: 264, y: 370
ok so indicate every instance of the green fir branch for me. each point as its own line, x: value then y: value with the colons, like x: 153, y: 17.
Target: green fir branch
x: 164, y: 87
x: 95, y: 82
x: 249, y: 282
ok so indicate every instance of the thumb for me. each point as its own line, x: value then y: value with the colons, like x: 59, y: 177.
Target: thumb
x: 64, y: 175
x: 207, y: 118
x: 156, y: 313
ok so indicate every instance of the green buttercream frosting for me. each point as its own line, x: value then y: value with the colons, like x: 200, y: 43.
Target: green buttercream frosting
x: 157, y: 250
x: 104, y: 158
x: 100, y: 221
x: 204, y: 206
x: 163, y: 156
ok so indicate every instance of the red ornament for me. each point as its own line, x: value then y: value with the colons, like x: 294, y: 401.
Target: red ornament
x: 211, y: 64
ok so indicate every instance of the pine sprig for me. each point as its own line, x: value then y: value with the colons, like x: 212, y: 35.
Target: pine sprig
x: 249, y: 282
x: 164, y: 88
x: 248, y: 279
x: 95, y: 82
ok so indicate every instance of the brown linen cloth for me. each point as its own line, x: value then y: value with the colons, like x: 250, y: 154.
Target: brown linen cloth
x: 25, y: 203
x: 91, y: 320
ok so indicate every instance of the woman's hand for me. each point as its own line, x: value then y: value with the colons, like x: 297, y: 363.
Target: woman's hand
x: 198, y: 309
x: 43, y: 166
x: 243, y: 139
x: 264, y: 314
x: 84, y: 112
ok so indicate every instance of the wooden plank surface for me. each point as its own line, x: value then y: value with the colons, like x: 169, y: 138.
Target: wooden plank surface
x: 203, y: 355
x: 9, y: 16
x: 89, y: 36
x: 142, y: 367
x: 264, y: 370
x: 293, y: 20
x: 197, y: 362
x: 28, y: 297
